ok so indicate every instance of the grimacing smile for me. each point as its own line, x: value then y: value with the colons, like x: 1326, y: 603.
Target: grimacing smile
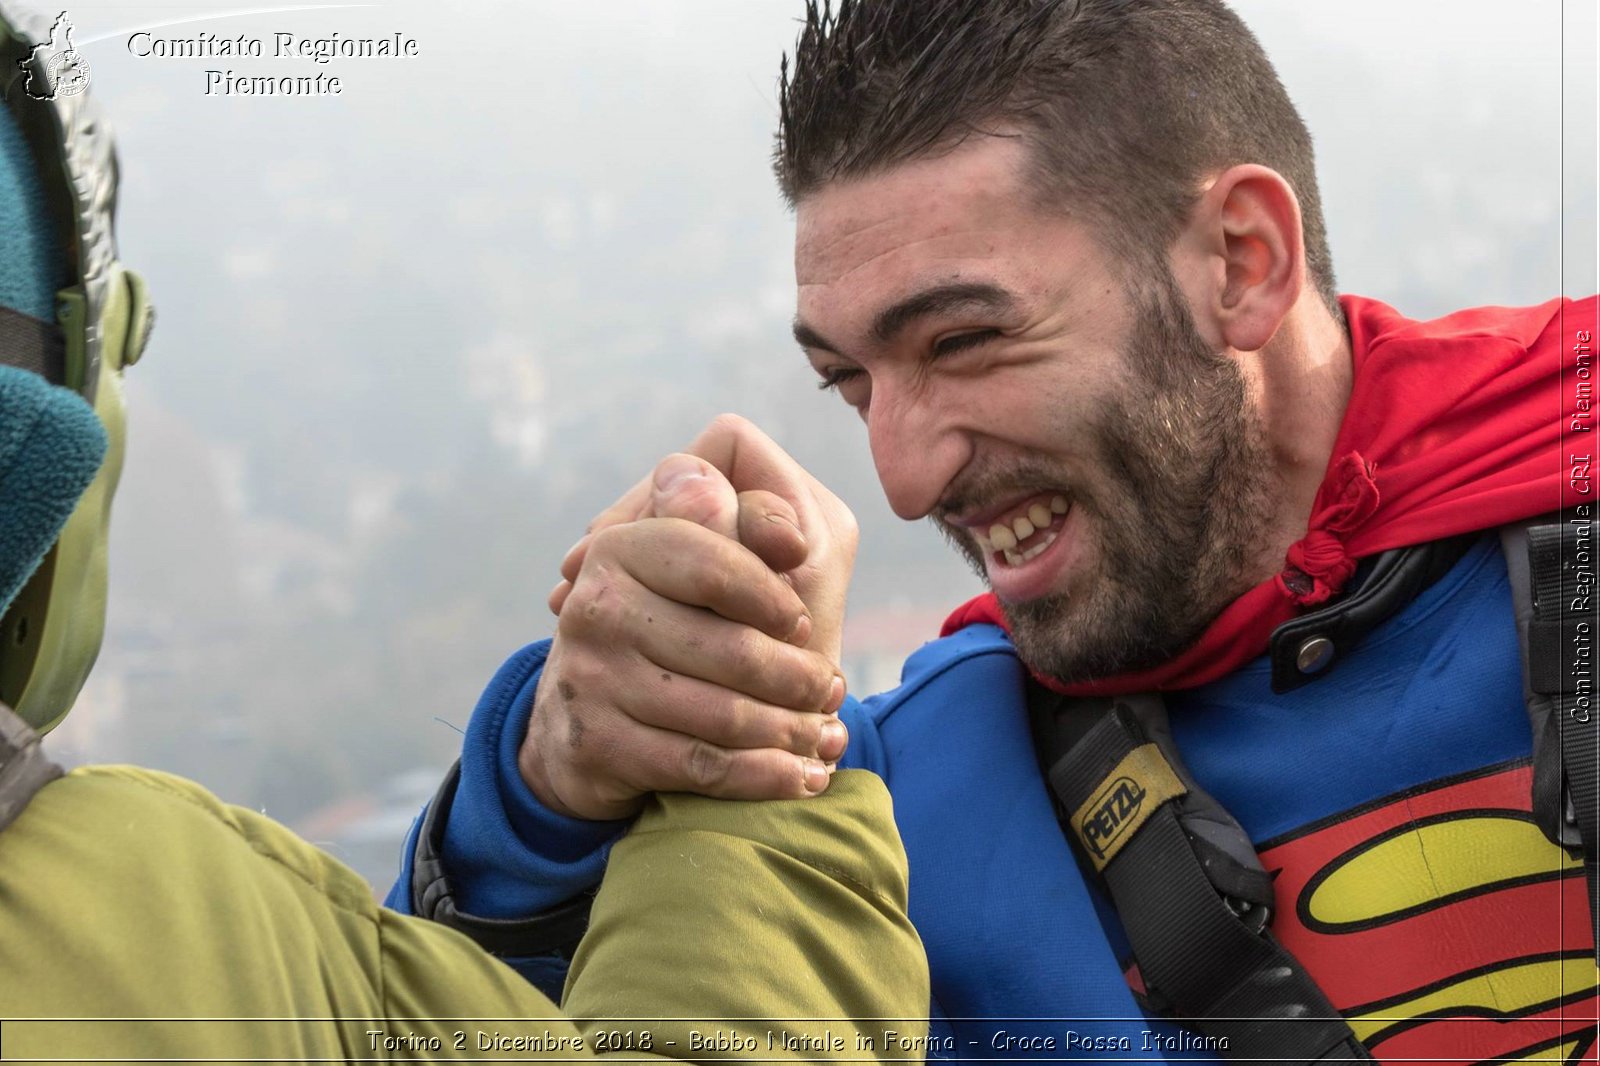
x: 1026, y: 532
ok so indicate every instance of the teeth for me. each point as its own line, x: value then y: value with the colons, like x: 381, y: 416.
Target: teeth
x: 1015, y: 558
x: 1002, y: 537
x: 1044, y: 542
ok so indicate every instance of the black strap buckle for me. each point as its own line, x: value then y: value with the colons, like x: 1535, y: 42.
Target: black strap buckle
x: 1570, y: 836
x: 1253, y: 916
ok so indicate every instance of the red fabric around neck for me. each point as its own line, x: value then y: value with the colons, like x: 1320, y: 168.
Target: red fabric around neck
x: 1453, y: 425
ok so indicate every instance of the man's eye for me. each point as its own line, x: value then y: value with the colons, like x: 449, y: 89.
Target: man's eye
x: 961, y: 342
x: 832, y: 379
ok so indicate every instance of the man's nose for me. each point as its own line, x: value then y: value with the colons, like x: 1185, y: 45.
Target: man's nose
x: 916, y: 452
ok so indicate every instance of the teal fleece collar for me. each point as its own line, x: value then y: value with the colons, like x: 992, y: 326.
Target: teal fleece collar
x: 51, y: 445
x: 33, y: 266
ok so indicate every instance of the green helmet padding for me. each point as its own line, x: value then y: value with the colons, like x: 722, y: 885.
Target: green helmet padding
x: 50, y: 634
x: 51, y: 445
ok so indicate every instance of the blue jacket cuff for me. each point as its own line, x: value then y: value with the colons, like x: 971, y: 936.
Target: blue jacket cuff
x: 508, y: 855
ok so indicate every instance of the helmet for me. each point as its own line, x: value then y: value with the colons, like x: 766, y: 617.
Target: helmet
x: 71, y: 314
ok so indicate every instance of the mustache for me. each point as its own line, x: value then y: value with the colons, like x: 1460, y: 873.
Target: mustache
x: 976, y: 489
x: 964, y: 545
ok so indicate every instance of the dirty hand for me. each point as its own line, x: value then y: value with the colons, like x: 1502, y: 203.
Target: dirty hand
x: 699, y: 635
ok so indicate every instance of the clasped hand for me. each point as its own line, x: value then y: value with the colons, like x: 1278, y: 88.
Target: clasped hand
x: 698, y: 637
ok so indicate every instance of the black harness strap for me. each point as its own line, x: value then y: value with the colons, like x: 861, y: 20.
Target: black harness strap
x: 1195, y: 908
x: 24, y: 767
x: 32, y: 344
x: 1561, y: 675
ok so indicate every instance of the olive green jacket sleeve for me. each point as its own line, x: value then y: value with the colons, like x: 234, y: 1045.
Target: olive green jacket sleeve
x: 140, y: 917
x: 786, y: 917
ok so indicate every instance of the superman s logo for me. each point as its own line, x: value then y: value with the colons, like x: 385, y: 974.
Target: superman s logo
x: 1444, y: 925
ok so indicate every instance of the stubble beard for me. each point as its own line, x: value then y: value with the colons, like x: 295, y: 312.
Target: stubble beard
x: 1187, y: 494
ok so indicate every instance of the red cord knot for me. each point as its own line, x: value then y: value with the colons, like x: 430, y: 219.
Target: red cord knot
x: 1319, y: 566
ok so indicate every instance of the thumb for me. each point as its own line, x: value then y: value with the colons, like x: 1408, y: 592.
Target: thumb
x: 688, y: 487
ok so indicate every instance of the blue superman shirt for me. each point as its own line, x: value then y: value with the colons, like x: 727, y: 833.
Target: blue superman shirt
x: 1423, y: 721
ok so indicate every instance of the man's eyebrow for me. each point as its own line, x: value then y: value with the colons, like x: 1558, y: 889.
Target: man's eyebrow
x: 938, y: 300
x: 807, y: 337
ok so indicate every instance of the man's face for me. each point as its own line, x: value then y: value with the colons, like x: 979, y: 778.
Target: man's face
x: 1100, y: 465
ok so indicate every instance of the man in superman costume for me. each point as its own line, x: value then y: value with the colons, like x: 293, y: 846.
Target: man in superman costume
x: 1067, y: 262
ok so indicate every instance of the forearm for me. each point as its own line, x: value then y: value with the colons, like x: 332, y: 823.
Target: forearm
x: 791, y: 912
x: 488, y: 860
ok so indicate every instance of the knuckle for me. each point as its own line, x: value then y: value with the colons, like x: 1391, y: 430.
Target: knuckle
x: 734, y: 721
x: 797, y: 672
x: 758, y: 725
x: 716, y: 581
x: 574, y: 710
x: 795, y: 777
x: 816, y: 679
x: 805, y: 677
x: 841, y: 521
x: 849, y: 527
x: 731, y: 424
x: 716, y: 574
x: 782, y: 776
x: 580, y: 681
x: 727, y: 563
x: 707, y: 766
x: 598, y: 609
x: 783, y: 608
x: 580, y: 615
x: 605, y: 542
x: 752, y: 655
x: 802, y: 732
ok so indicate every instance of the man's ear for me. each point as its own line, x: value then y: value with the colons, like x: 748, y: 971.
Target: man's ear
x: 1241, y: 258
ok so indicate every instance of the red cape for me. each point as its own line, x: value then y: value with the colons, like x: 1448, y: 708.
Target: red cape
x: 1464, y: 423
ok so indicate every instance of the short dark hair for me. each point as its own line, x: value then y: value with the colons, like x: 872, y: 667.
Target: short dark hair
x: 1126, y: 104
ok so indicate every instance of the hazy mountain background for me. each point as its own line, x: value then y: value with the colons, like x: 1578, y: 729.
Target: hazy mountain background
x: 411, y: 337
